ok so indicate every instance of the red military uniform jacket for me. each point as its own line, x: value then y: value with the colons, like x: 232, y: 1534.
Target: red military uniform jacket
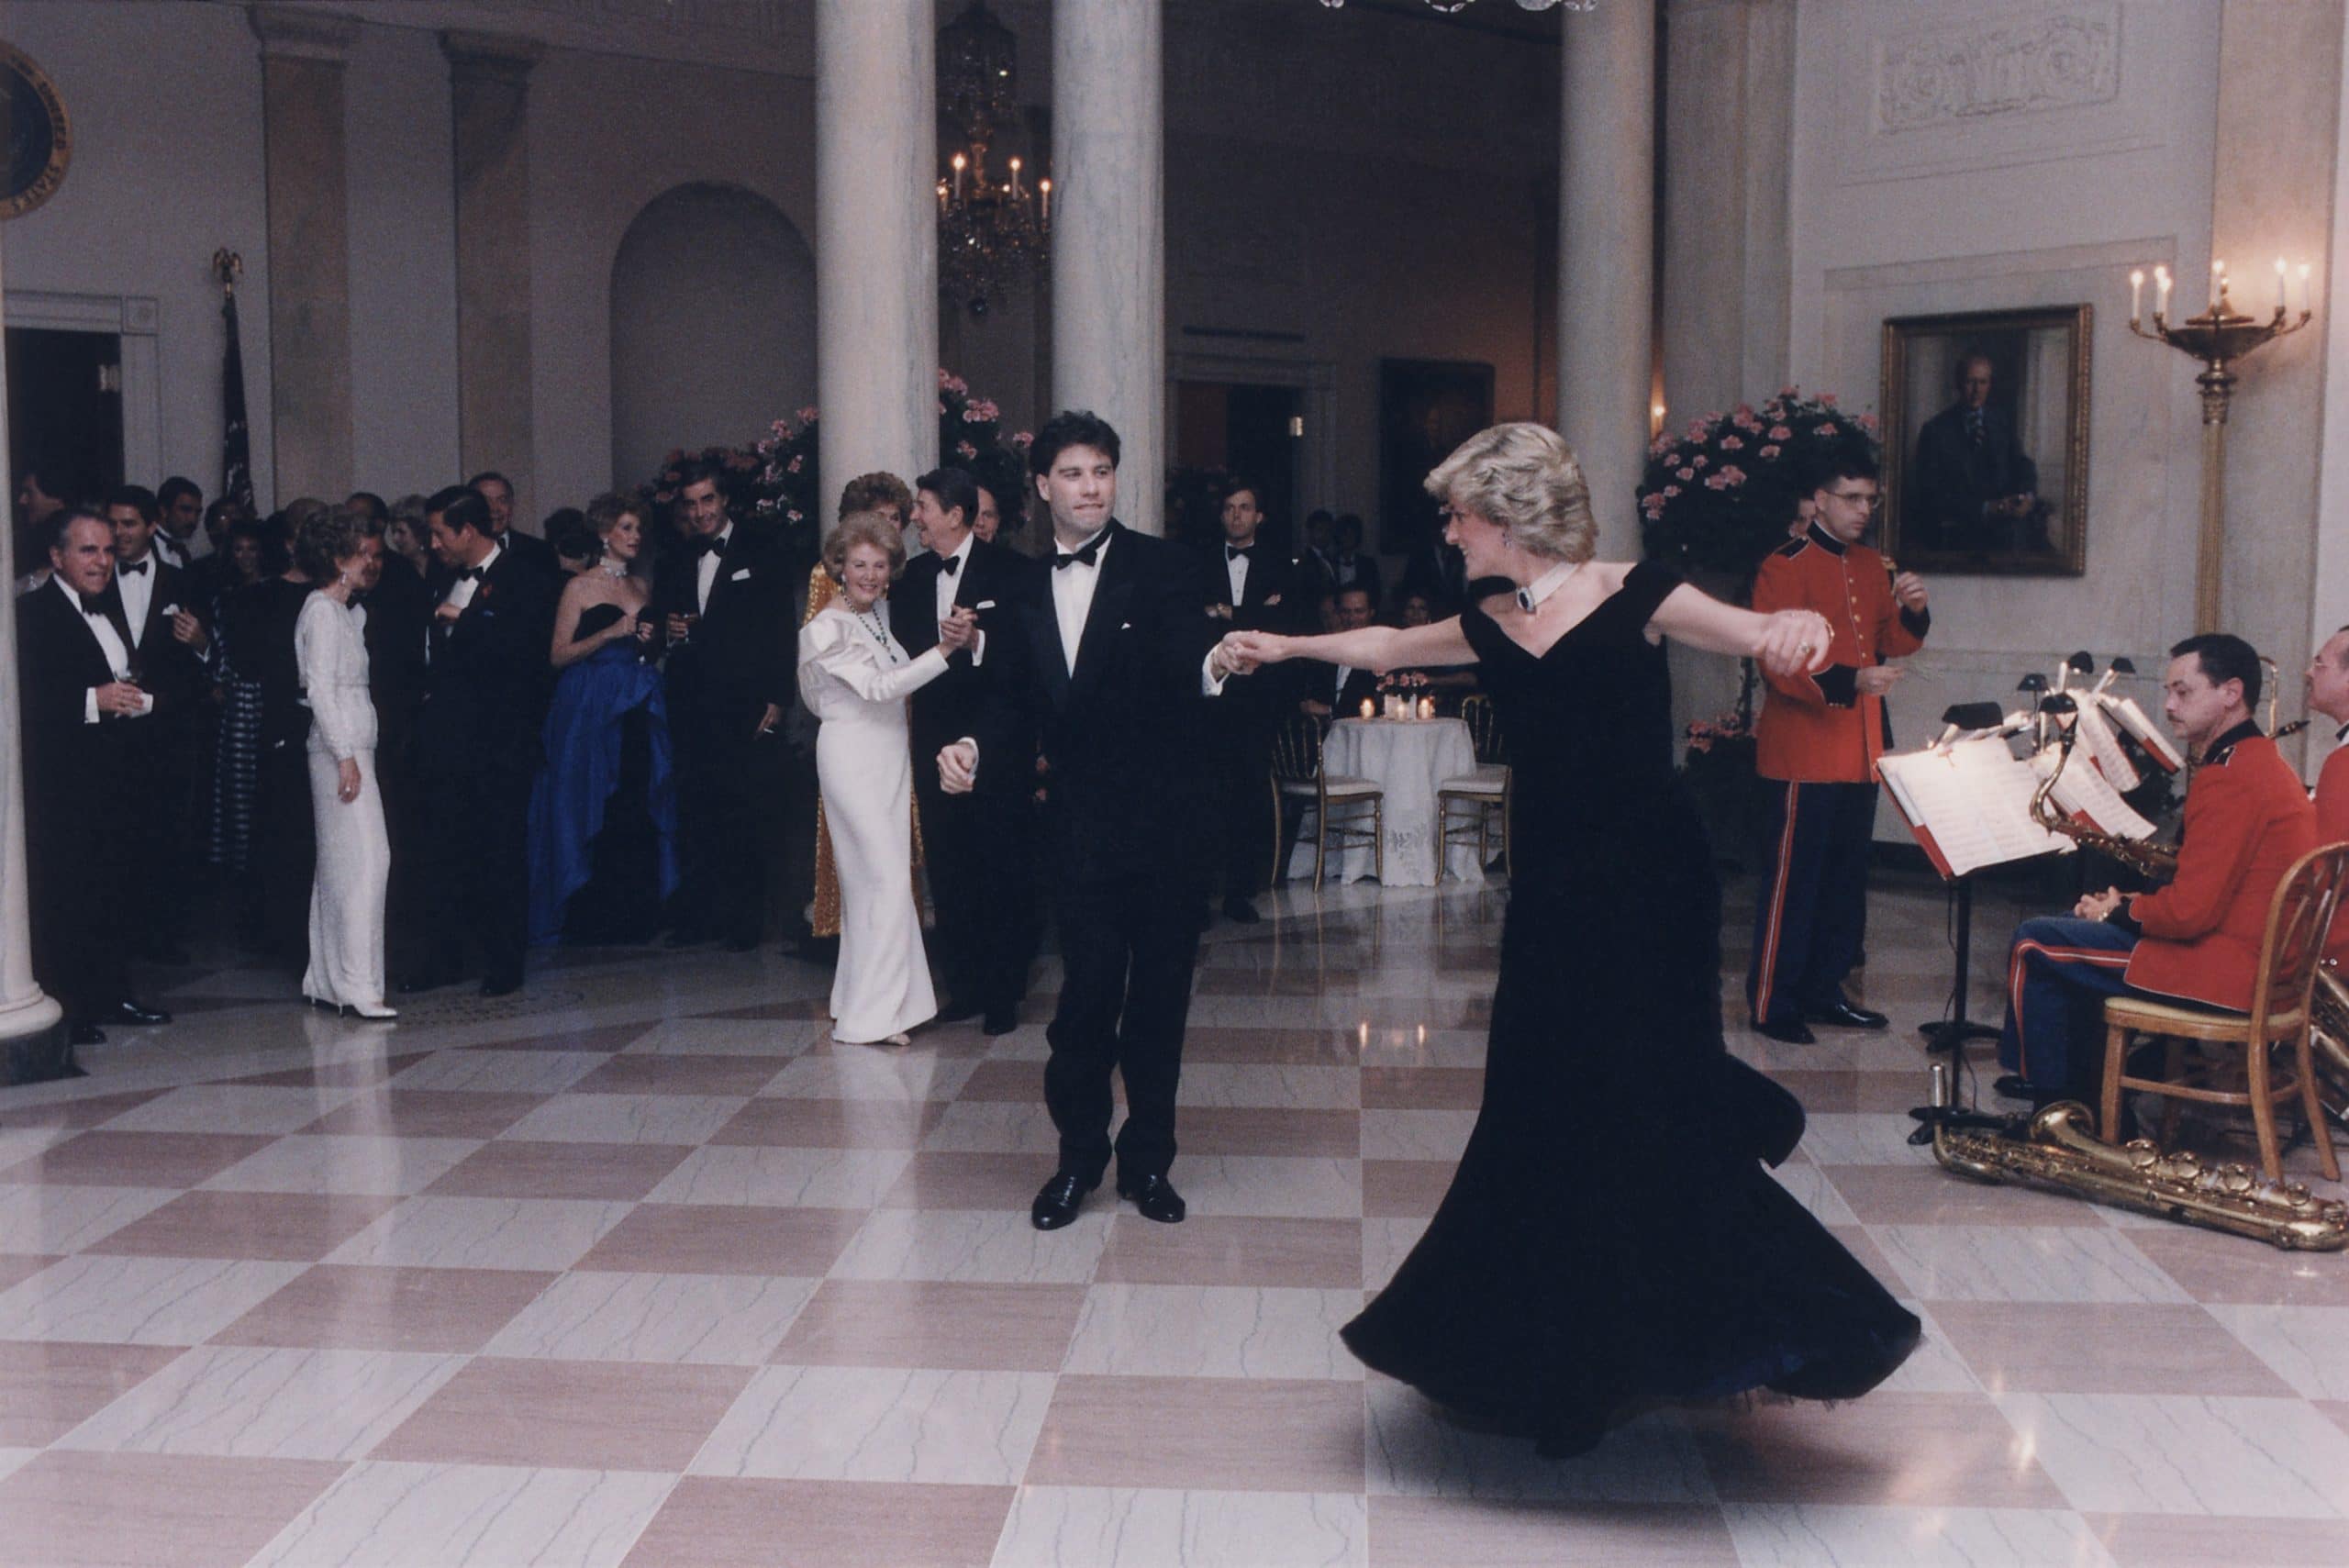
x: 1821, y: 729
x: 2247, y: 820
x: 2332, y: 828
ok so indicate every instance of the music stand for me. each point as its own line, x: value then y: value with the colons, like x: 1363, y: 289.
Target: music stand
x: 1951, y: 1033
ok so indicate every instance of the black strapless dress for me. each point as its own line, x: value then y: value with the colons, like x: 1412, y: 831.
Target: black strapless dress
x: 1610, y: 1238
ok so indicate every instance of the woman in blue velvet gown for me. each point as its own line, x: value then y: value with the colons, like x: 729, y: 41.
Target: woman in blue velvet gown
x: 1611, y: 1240
x: 604, y: 813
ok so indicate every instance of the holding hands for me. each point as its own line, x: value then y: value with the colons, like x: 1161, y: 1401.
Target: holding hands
x: 958, y: 767
x: 959, y: 629
x: 1240, y: 653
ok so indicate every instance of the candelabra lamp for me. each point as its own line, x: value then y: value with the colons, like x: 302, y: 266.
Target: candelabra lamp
x: 2218, y: 338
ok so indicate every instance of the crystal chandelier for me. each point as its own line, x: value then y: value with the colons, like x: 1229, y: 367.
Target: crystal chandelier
x: 990, y: 228
x: 1452, y: 7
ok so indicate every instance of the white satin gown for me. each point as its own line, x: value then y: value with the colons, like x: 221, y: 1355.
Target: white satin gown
x: 855, y: 677
x: 354, y: 852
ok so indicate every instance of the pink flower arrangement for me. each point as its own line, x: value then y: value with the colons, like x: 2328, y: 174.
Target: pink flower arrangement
x: 1748, y: 461
x: 1732, y: 443
x: 1781, y: 433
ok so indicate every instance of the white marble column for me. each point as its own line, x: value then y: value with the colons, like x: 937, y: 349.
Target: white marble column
x: 876, y: 240
x: 31, y: 1044
x: 1605, y: 256
x: 1109, y: 234
x: 489, y: 78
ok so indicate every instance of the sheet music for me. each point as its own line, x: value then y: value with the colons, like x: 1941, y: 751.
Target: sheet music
x: 2146, y: 733
x: 1974, y: 799
x: 2086, y: 793
x: 2104, y: 750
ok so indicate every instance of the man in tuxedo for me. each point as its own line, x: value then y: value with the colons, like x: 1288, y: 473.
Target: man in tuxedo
x: 1251, y: 587
x: 400, y: 617
x: 725, y: 610
x: 498, y: 493
x: 168, y: 642
x: 1336, y: 691
x: 974, y: 844
x: 1351, y: 566
x: 179, y: 507
x: 1976, y: 488
x: 1115, y: 665
x: 84, y: 719
x: 477, y: 746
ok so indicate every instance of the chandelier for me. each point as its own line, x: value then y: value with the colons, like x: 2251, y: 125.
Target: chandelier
x: 990, y: 228
x: 1453, y: 8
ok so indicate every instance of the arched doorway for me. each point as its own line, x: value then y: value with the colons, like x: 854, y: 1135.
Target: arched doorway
x: 713, y: 325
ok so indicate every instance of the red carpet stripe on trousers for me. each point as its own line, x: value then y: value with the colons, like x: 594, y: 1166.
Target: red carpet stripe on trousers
x: 1777, y: 911
x: 2102, y: 958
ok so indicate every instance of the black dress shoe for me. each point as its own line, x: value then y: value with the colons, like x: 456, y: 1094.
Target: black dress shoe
x: 1794, y: 1031
x: 137, y: 1016
x: 1057, y: 1200
x: 1001, y: 1021
x: 85, y: 1034
x: 957, y: 1013
x: 1241, y: 912
x: 1840, y: 1014
x: 1155, y: 1196
x: 500, y: 988
x: 2014, y: 1086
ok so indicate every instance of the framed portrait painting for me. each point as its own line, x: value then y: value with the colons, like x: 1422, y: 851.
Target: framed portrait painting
x: 1985, y: 442
x: 1426, y: 407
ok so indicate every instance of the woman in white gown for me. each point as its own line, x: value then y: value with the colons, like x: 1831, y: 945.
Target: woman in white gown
x: 354, y: 854
x: 855, y: 677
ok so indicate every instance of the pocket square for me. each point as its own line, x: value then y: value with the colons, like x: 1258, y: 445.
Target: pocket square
x: 740, y: 576
x: 1125, y: 626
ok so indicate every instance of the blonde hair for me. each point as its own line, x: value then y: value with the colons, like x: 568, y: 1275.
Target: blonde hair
x: 863, y: 528
x: 1525, y: 478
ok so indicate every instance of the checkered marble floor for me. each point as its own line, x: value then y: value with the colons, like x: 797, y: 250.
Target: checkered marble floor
x: 638, y: 1268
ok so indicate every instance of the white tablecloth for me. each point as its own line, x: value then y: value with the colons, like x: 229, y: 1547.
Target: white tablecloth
x: 1409, y: 759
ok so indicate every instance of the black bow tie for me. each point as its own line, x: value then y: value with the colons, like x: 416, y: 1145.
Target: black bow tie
x: 951, y: 565
x: 132, y: 569
x: 709, y: 544
x: 1237, y: 551
x: 93, y: 605
x: 1090, y: 555
x: 470, y: 573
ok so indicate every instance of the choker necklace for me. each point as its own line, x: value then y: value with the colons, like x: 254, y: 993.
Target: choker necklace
x: 1529, y: 598
x: 872, y: 622
x: 613, y: 567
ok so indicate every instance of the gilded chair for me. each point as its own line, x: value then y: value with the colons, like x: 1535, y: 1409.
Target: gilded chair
x: 1471, y: 809
x: 1347, y: 811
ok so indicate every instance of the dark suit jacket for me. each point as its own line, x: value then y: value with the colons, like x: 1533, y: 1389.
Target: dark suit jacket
x: 532, y: 551
x: 744, y: 652
x: 1127, y: 779
x: 1955, y: 478
x: 168, y: 669
x: 1367, y: 575
x: 399, y: 614
x: 1281, y: 596
x: 1318, y: 682
x: 258, y: 621
x: 953, y: 706
x: 484, y: 689
x: 74, y: 770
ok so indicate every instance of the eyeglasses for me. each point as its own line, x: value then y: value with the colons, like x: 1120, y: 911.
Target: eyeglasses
x: 1854, y: 498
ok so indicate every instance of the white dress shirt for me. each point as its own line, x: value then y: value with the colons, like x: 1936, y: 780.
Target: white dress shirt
x: 1073, y: 588
x: 138, y: 593
x: 118, y: 655
x: 461, y: 592
x: 949, y: 583
x: 172, y: 551
x: 706, y: 568
x: 1235, y: 567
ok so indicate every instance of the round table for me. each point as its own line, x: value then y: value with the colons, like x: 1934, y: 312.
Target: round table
x: 1409, y: 760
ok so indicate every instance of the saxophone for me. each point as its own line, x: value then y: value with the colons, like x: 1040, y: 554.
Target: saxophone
x: 2157, y: 862
x: 2056, y: 1150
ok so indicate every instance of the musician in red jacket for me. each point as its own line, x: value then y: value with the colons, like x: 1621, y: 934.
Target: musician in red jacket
x: 1819, y: 737
x: 2328, y: 678
x: 2197, y: 940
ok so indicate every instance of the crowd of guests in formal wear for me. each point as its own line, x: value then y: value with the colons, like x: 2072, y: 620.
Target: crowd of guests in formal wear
x: 401, y: 743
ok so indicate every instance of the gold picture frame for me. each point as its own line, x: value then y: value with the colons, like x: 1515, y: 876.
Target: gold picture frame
x: 41, y: 136
x: 1994, y: 482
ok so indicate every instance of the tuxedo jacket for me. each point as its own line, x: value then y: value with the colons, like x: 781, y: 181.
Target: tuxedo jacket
x: 953, y: 706
x: 169, y: 669
x: 76, y: 772
x: 1320, y: 684
x: 533, y: 553
x: 400, y: 617
x: 1121, y: 735
x: 486, y: 683
x: 1280, y: 596
x: 743, y: 653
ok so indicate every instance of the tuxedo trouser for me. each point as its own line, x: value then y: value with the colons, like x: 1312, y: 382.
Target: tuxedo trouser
x: 478, y: 884
x: 721, y: 832
x: 77, y: 943
x: 1810, y: 913
x: 1128, y: 945
x: 288, y: 849
x: 2060, y: 969
x: 1245, y: 819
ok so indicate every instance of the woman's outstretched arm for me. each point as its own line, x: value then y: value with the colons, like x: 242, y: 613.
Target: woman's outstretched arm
x: 1379, y: 648
x: 1788, y: 642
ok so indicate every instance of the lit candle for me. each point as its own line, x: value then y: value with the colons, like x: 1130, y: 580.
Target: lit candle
x: 2161, y: 292
x: 1369, y: 708
x: 959, y: 162
x: 1015, y: 191
x: 2136, y: 291
x: 1045, y: 187
x: 1427, y: 708
x: 941, y: 195
x: 2305, y: 305
x: 2218, y: 284
x: 2280, y: 270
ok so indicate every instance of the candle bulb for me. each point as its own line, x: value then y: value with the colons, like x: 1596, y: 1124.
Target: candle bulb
x: 959, y: 163
x: 1369, y: 709
x: 1015, y: 191
x: 2305, y: 305
x: 1045, y: 187
x: 2280, y: 272
x: 2217, y: 285
x: 2161, y: 292
x: 2136, y: 293
x: 1427, y: 708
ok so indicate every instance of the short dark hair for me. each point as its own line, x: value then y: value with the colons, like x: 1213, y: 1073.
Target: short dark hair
x: 955, y: 489
x: 167, y: 493
x: 2225, y: 657
x: 485, y: 477
x: 459, y: 508
x: 224, y: 511
x: 1350, y: 523
x: 1072, y: 427
x: 1002, y: 482
x: 1844, y: 459
x: 136, y: 497
x: 63, y: 519
x: 1233, y: 484
x: 368, y: 505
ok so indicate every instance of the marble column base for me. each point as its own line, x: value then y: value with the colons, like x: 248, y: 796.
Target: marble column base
x: 37, y: 1058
